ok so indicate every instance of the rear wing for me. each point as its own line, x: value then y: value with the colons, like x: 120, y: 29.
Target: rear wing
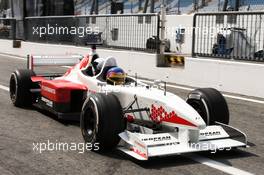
x: 49, y: 60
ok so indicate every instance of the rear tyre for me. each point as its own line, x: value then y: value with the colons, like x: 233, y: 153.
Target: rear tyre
x: 210, y: 104
x: 101, y: 121
x: 19, y: 87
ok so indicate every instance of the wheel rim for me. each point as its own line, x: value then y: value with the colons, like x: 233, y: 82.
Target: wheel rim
x: 199, y: 107
x: 13, y: 88
x: 90, y: 122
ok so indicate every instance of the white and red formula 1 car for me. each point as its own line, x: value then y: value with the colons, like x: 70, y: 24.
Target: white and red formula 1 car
x: 149, y: 120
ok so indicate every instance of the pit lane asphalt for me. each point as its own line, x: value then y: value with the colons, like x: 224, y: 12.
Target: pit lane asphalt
x: 20, y: 128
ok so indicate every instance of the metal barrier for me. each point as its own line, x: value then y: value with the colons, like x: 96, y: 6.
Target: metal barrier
x: 7, y: 28
x: 116, y: 31
x: 229, y: 35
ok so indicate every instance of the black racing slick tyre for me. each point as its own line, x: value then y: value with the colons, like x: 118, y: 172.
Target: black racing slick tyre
x: 19, y: 87
x: 210, y: 104
x: 101, y: 121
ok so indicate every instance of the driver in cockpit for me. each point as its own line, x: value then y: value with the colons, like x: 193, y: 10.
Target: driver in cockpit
x: 111, y: 73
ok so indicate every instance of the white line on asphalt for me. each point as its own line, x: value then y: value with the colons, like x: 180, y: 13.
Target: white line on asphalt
x: 226, y: 95
x: 12, y: 56
x: 66, y: 66
x: 4, y: 88
x: 218, y: 165
x: 244, y: 99
x: 172, y: 86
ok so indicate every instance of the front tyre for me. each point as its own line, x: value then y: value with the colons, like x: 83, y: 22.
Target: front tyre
x: 210, y: 104
x: 101, y: 121
x: 19, y: 87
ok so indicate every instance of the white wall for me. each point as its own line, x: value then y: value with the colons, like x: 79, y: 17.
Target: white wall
x: 180, y: 21
x: 229, y: 76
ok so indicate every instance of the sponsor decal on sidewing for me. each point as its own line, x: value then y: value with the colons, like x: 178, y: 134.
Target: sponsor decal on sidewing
x: 48, y: 102
x: 212, y: 132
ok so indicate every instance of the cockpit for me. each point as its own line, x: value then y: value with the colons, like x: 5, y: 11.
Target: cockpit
x: 107, y: 70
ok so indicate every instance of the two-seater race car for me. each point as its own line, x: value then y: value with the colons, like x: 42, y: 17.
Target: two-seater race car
x: 147, y: 119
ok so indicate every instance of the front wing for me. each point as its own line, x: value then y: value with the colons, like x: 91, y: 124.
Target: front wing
x: 212, y: 138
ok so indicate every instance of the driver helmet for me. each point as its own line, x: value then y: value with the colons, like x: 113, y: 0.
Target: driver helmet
x: 115, y: 76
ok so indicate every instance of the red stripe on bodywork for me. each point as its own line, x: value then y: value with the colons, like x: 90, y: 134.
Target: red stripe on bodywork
x: 139, y: 153
x: 84, y: 62
x: 68, y: 71
x: 159, y: 114
x: 178, y: 120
